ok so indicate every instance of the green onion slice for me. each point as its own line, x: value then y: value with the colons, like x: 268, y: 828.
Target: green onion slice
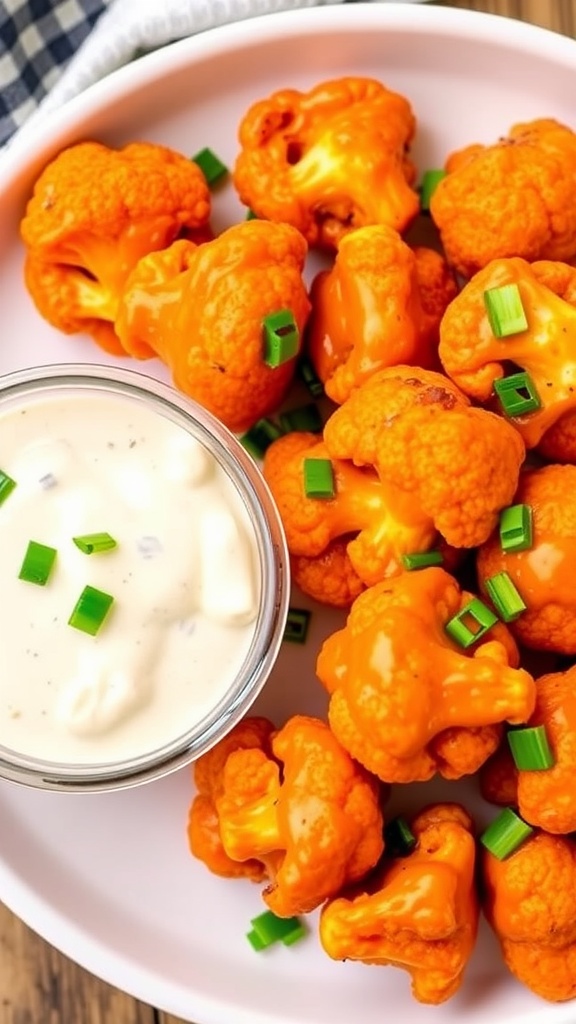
x: 268, y: 929
x: 505, y: 310
x: 505, y: 834
x: 430, y: 181
x: 7, y: 485
x: 399, y: 840
x: 306, y: 417
x: 516, y: 528
x: 531, y: 749
x: 297, y: 623
x: 250, y: 215
x: 89, y: 543
x: 281, y: 338
x: 422, y: 559
x: 518, y: 395
x: 471, y: 623
x: 90, y: 610
x: 504, y: 597
x: 211, y: 166
x: 37, y: 564
x: 308, y: 374
x: 259, y: 438
x: 319, y: 478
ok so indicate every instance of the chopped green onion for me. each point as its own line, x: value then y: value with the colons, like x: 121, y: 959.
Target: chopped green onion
x: 297, y: 623
x: 37, y: 564
x: 281, y: 338
x: 94, y: 542
x: 211, y: 166
x: 516, y: 528
x: 471, y: 623
x: 90, y: 610
x: 259, y: 438
x: 504, y: 597
x: 319, y: 478
x: 308, y: 374
x: 7, y: 485
x: 517, y: 394
x: 268, y: 929
x: 505, y: 311
x: 505, y: 834
x: 399, y: 840
x: 422, y: 559
x: 430, y: 181
x: 250, y: 215
x: 307, y: 417
x: 531, y: 749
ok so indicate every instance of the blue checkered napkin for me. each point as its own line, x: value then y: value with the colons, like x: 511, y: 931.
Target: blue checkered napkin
x: 37, y: 39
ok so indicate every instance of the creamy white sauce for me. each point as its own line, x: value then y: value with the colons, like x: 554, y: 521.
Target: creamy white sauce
x: 184, y: 577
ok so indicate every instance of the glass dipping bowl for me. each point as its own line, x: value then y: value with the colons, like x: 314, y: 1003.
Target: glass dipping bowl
x: 68, y: 380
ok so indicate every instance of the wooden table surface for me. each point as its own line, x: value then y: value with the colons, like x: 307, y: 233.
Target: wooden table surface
x: 37, y: 984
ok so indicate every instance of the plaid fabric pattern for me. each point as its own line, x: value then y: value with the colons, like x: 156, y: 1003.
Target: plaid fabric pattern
x: 37, y: 39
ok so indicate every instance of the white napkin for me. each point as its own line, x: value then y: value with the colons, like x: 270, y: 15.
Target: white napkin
x: 130, y: 27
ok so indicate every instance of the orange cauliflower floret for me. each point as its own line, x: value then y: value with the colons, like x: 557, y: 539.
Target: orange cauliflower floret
x: 380, y: 305
x: 299, y: 804
x: 329, y: 160
x: 398, y: 683
x: 203, y: 826
x: 474, y: 357
x: 512, y: 198
x: 544, y: 574
x: 93, y: 213
x: 546, y: 797
x: 329, y: 577
x: 201, y: 310
x: 419, y: 912
x: 530, y: 902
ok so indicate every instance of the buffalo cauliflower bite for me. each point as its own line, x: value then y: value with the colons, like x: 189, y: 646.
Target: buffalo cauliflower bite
x: 513, y: 198
x: 297, y: 803
x: 543, y: 574
x: 418, y: 912
x: 94, y: 212
x: 201, y: 310
x: 530, y: 902
x: 379, y: 305
x: 330, y: 577
x: 329, y: 160
x: 544, y: 798
x: 474, y: 358
x: 398, y: 683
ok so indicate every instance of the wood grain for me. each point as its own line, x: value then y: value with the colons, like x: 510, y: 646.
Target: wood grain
x: 37, y: 984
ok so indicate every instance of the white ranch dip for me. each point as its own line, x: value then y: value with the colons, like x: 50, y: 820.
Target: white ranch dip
x: 184, y: 577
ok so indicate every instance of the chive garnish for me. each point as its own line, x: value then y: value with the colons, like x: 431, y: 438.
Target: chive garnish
x: 297, y: 623
x: 7, y: 485
x: 399, y: 840
x: 531, y: 749
x: 318, y: 478
x: 37, y: 563
x: 250, y: 215
x: 281, y: 338
x: 505, y: 310
x: 516, y: 528
x: 471, y: 623
x: 89, y: 543
x: 430, y: 181
x: 211, y: 166
x: 306, y: 418
x: 308, y: 374
x: 518, y: 395
x: 90, y: 610
x: 504, y: 597
x: 422, y: 559
x: 259, y: 438
x: 268, y: 929
x: 505, y: 834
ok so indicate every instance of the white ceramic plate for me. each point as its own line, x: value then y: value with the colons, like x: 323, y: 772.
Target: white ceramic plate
x: 107, y: 878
